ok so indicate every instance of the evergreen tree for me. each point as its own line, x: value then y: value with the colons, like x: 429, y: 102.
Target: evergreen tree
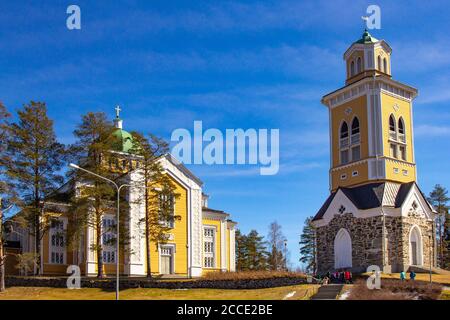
x: 159, y: 191
x: 34, y: 159
x: 96, y: 197
x: 439, y: 199
x: 277, y: 243
x: 241, y: 251
x: 308, y: 246
x: 4, y: 115
x: 256, y: 251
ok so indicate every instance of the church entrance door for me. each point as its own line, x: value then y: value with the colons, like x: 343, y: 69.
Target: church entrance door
x: 342, y: 250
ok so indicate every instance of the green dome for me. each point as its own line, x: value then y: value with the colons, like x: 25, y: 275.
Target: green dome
x: 366, y: 38
x: 124, y: 141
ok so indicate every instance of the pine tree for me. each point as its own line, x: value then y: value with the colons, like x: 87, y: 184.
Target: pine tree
x: 439, y: 199
x: 241, y: 251
x: 278, y: 252
x: 4, y: 115
x: 256, y: 251
x: 32, y: 170
x: 95, y: 198
x: 308, y: 246
x: 159, y: 192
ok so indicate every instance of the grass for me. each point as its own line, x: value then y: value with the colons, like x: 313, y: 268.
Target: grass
x: 437, y: 278
x: 302, y: 292
x: 445, y: 295
x: 251, y: 275
x: 393, y: 289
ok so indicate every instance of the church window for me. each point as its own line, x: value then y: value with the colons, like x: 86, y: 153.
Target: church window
x: 352, y: 68
x: 401, y: 130
x: 355, y: 131
x: 392, y: 123
x: 356, y: 153
x: 396, y: 170
x: 393, y: 150
x: 57, y: 243
x: 405, y: 172
x: 208, y: 247
x: 344, y: 156
x: 403, y: 152
x: 379, y: 63
x: 358, y: 65
x: 384, y: 65
x: 166, y: 209
x: 108, y: 239
x: 343, y: 176
x: 355, y: 173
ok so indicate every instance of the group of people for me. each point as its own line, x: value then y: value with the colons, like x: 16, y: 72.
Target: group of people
x: 412, y: 275
x: 338, y: 277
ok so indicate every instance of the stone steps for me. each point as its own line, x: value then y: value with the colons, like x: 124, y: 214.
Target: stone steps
x: 328, y: 292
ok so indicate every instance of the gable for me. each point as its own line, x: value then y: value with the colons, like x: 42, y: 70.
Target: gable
x: 415, y: 205
x: 338, y: 204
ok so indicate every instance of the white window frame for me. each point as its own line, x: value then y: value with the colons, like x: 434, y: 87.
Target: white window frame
x: 57, y: 249
x: 212, y: 254
x: 106, y: 248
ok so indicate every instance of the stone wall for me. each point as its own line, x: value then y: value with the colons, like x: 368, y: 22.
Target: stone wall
x: 366, y: 236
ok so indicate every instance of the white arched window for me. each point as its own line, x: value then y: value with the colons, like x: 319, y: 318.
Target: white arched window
x: 385, y: 66
x: 358, y: 65
x: 392, y: 126
x: 352, y: 68
x: 379, y: 63
x: 415, y: 247
x: 343, y: 250
x: 344, y: 143
x: 355, y: 140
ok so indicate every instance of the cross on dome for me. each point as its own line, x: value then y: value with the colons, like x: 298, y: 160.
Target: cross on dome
x: 118, y: 111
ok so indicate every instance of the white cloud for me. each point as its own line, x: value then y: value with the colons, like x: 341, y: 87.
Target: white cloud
x: 432, y: 131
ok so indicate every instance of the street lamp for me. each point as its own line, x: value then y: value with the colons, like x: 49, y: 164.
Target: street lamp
x: 118, y: 188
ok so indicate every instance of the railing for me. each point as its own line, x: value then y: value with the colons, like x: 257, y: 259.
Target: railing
x: 402, y: 137
x: 344, y: 142
x: 355, y: 138
x: 393, y: 135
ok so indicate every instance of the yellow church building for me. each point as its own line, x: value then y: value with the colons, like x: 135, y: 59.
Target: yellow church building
x: 201, y: 240
x: 376, y: 213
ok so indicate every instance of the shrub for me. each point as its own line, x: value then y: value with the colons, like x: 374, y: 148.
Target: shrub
x: 392, y: 289
x: 251, y: 275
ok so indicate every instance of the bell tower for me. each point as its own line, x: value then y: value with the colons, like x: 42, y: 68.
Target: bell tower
x: 371, y: 124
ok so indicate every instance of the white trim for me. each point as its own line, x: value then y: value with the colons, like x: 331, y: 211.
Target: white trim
x: 223, y: 253
x: 419, y: 244
x: 173, y: 248
x: 62, y: 249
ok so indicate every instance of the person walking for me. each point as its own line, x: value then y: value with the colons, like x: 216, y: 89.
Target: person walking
x: 412, y: 275
x: 402, y: 276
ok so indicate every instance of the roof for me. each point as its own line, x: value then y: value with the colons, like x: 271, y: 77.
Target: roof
x: 214, y: 210
x: 366, y: 38
x: 373, y: 195
x: 124, y: 140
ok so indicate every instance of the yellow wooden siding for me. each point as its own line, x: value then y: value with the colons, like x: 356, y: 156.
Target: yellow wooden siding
x: 180, y: 236
x: 218, y: 252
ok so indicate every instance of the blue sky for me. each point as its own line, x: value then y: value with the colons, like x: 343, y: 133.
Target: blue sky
x: 232, y: 65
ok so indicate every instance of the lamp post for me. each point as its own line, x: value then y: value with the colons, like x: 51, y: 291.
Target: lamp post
x: 285, y: 254
x: 118, y: 188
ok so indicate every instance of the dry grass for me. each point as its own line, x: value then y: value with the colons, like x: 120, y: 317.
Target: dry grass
x: 302, y: 292
x: 445, y: 295
x: 251, y: 275
x: 392, y: 289
x: 437, y: 278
